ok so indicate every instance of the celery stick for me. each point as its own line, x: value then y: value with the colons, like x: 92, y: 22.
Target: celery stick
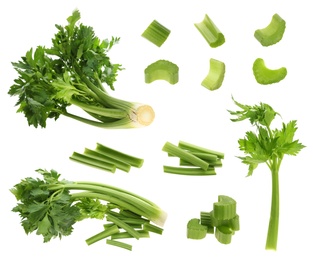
x: 205, y: 156
x: 210, y: 32
x: 119, y: 244
x: 217, y: 163
x: 84, y: 159
x: 156, y: 33
x: 195, y: 148
x: 124, y: 235
x: 152, y: 228
x: 191, y: 171
x: 132, y: 160
x: 104, y: 234
x: 182, y: 154
x: 106, y: 158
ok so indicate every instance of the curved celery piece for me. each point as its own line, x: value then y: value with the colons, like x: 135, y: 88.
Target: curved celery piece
x: 210, y: 32
x: 223, y: 234
x: 225, y: 208
x: 156, y: 33
x: 264, y: 75
x: 216, y: 75
x: 195, y: 230
x: 272, y: 33
x: 162, y: 70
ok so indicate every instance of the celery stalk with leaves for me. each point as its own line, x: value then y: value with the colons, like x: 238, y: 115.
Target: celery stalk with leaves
x: 75, y: 71
x: 267, y: 145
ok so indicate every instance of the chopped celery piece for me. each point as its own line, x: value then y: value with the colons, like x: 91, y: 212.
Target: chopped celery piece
x: 87, y: 160
x: 206, y: 220
x: 104, y: 234
x: 196, y: 148
x: 182, y: 154
x: 152, y: 228
x: 225, y: 208
x: 235, y: 223
x: 156, y: 33
x: 210, y: 32
x: 119, y: 244
x: 264, y: 75
x: 223, y: 234
x: 195, y: 230
x: 191, y: 171
x: 272, y: 33
x: 162, y: 70
x: 215, y: 77
x: 126, y: 158
x: 119, y: 164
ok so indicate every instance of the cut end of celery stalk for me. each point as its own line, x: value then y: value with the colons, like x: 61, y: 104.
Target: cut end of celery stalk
x: 216, y: 75
x: 272, y: 33
x: 266, y: 76
x: 142, y: 115
x: 160, y: 219
x: 162, y: 70
x: 210, y: 32
x: 156, y: 33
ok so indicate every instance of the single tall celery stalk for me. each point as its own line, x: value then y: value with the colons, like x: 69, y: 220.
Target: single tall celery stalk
x: 268, y: 146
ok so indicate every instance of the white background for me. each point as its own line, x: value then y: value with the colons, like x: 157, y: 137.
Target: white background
x: 185, y: 111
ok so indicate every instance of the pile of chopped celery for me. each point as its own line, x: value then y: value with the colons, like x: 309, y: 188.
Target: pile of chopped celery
x: 193, y: 160
x: 122, y: 225
x: 108, y: 159
x: 222, y: 221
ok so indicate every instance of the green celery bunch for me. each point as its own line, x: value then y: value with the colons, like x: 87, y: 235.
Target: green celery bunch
x: 74, y: 71
x: 50, y: 206
x: 268, y: 146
